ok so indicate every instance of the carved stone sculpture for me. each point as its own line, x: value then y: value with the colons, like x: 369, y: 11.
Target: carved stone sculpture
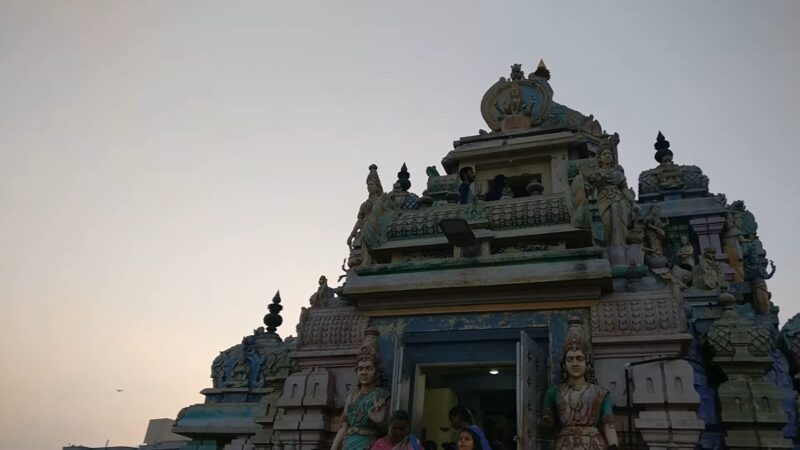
x: 707, y: 274
x: 669, y: 177
x: 354, y: 241
x: 365, y: 411
x: 579, y: 409
x: 655, y: 230
x: 686, y: 254
x: 731, y: 246
x: 612, y: 192
x: 247, y: 365
x: 324, y: 296
x: 756, y: 271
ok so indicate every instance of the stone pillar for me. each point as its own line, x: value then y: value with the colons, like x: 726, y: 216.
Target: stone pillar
x: 625, y: 331
x: 664, y: 392
x: 708, y: 230
x: 310, y: 407
x: 306, y: 409
x: 751, y: 409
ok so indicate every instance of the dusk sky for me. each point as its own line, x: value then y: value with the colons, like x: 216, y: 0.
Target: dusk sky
x: 165, y: 167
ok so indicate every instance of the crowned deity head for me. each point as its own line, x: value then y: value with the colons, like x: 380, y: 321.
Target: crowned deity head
x: 607, y: 152
x: 374, y: 186
x: 576, y: 361
x: 368, y: 368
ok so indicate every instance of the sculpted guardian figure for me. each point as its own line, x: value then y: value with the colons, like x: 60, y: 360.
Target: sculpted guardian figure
x: 579, y: 409
x: 365, y: 411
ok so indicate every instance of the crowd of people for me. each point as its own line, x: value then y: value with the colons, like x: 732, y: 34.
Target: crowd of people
x: 399, y: 437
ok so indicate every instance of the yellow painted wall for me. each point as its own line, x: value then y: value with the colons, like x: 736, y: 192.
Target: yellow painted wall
x: 438, y: 403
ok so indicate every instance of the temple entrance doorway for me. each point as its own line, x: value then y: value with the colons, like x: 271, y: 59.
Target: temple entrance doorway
x: 498, y: 374
x: 487, y: 389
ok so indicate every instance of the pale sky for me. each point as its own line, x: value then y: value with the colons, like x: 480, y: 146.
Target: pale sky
x: 165, y: 167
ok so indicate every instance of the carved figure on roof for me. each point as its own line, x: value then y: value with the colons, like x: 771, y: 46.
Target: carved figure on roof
x: 516, y: 104
x: 324, y: 296
x: 613, y: 200
x: 403, y: 198
x: 707, y: 274
x: 578, y: 408
x: 516, y: 72
x: 655, y: 230
x: 668, y: 174
x: 354, y: 240
x: 635, y: 235
x: 732, y: 248
x: 365, y: 411
x: 758, y: 269
x: 241, y: 374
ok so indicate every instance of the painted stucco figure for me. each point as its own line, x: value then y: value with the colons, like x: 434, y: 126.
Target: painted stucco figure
x: 365, y: 411
x: 612, y: 192
x: 375, y: 190
x: 579, y: 409
x: 707, y: 274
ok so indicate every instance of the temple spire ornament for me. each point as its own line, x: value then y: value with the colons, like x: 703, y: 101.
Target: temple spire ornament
x: 542, y: 71
x: 273, y: 319
x: 662, y: 147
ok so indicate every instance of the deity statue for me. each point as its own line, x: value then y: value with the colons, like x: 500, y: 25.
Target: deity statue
x: 732, y: 248
x: 579, y: 409
x: 686, y: 253
x: 324, y: 295
x: 707, y: 274
x: 375, y: 190
x: 669, y: 175
x: 241, y: 374
x: 655, y: 230
x: 613, y: 200
x: 756, y: 271
x: 365, y: 411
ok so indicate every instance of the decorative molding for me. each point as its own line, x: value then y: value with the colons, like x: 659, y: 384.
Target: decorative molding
x: 644, y: 313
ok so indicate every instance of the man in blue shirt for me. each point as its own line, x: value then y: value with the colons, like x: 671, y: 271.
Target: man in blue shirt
x: 465, y: 194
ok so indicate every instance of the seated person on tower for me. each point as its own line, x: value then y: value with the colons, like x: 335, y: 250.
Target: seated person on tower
x: 461, y: 419
x: 399, y: 437
x: 465, y: 193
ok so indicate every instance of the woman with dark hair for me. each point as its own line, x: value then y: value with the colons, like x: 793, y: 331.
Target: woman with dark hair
x: 399, y: 437
x: 469, y: 440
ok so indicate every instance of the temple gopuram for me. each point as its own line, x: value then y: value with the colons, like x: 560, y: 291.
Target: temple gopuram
x: 528, y: 282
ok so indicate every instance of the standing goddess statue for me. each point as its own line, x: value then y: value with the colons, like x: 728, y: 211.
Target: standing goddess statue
x: 613, y: 202
x: 365, y: 411
x: 579, y: 409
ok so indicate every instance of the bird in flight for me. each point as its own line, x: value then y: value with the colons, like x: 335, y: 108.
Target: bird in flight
x: 119, y: 390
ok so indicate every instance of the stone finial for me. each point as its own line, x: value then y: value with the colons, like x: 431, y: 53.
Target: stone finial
x: 403, y: 178
x: 516, y: 72
x: 542, y: 71
x: 273, y: 319
x: 662, y: 147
